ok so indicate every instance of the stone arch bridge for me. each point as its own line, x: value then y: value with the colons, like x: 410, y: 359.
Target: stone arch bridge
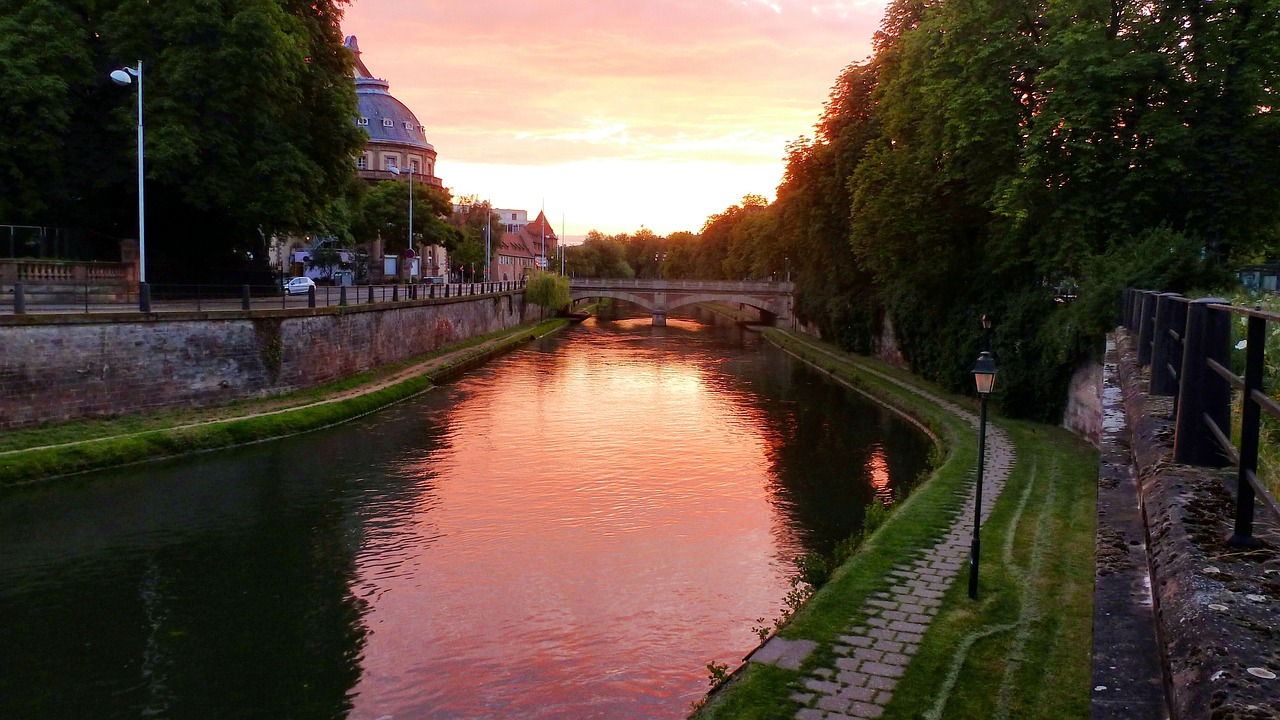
x: 774, y: 300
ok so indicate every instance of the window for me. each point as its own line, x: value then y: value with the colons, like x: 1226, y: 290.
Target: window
x: 386, y: 122
x: 408, y: 125
x: 362, y: 162
x: 413, y: 166
x: 363, y: 121
x: 390, y: 161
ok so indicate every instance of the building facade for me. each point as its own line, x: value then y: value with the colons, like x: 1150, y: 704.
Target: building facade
x: 396, y: 138
x: 517, y: 253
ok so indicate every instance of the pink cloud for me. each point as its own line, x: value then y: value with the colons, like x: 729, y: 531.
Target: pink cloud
x: 558, y: 81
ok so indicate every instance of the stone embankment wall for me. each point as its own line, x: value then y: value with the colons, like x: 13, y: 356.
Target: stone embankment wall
x: 68, y: 367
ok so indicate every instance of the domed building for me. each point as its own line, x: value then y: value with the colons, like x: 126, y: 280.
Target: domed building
x: 396, y: 138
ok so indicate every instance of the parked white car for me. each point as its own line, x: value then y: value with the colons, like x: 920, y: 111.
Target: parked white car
x: 298, y: 285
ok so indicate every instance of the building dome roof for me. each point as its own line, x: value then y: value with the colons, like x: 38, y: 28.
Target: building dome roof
x: 385, y: 118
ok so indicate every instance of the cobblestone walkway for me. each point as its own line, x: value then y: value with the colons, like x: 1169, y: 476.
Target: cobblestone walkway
x: 874, y: 653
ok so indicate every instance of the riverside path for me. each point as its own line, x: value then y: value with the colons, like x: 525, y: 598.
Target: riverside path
x: 873, y: 653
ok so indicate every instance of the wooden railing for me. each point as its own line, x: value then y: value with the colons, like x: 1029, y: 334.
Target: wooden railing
x: 1187, y: 343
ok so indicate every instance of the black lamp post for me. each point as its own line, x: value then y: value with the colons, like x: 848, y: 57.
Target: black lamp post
x: 984, y: 375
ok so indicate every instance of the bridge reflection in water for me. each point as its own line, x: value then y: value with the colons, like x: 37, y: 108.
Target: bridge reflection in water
x: 774, y: 300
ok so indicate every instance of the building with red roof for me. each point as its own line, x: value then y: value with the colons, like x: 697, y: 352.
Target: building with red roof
x: 516, y: 253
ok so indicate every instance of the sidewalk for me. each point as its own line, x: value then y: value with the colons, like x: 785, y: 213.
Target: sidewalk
x: 875, y: 651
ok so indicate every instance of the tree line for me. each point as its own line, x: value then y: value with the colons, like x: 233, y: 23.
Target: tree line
x: 250, y: 113
x: 1022, y: 160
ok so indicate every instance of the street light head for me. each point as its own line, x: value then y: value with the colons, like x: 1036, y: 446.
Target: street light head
x: 984, y: 373
x: 393, y: 170
x: 123, y: 76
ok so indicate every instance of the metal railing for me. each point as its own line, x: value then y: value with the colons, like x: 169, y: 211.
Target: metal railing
x: 749, y: 286
x: 1187, y: 343
x: 20, y: 299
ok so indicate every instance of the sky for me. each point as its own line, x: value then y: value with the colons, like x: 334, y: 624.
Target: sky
x: 613, y: 114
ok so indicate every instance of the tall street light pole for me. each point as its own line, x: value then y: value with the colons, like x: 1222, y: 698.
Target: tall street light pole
x: 984, y: 376
x: 125, y: 76
x: 409, y: 254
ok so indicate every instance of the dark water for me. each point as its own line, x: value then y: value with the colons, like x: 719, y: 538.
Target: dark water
x: 573, y: 531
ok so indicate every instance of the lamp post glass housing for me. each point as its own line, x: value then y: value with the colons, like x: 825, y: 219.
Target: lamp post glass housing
x: 984, y: 377
x: 984, y: 374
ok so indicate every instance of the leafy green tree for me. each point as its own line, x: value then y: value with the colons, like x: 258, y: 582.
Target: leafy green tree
x: 326, y: 259
x: 384, y: 212
x: 249, y: 110
x: 598, y: 256
x: 547, y: 290
x: 45, y: 59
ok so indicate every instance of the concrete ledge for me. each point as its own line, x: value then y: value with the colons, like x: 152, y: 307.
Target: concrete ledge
x: 1128, y: 680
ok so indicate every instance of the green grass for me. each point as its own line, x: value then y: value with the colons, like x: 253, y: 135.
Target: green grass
x: 1022, y: 650
x: 1021, y: 656
x: 78, y: 447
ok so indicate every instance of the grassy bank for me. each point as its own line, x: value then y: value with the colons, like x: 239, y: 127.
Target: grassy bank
x: 1023, y: 649
x: 40, y: 453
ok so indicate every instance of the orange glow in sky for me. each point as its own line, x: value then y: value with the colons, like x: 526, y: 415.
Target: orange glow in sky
x: 613, y: 113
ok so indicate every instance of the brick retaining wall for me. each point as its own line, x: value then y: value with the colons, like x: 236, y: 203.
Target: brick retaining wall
x: 67, y: 367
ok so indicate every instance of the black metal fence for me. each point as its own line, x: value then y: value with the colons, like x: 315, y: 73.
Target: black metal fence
x: 1187, y: 343
x: 152, y: 298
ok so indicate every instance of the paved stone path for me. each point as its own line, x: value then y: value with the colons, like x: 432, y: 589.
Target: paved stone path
x: 874, y: 652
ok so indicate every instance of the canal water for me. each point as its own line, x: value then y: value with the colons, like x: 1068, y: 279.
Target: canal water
x: 572, y: 531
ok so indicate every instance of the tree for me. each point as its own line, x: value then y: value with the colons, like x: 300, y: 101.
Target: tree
x: 598, y: 256
x: 547, y: 290
x: 384, y: 212
x: 249, y: 109
x: 326, y: 259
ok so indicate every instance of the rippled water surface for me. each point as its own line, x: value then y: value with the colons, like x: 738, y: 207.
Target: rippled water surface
x: 572, y: 531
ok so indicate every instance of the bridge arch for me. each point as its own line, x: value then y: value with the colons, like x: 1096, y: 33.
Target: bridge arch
x: 645, y: 303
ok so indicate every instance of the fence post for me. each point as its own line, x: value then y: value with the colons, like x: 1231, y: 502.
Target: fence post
x: 311, y: 296
x: 1146, y: 327
x: 1202, y: 392
x: 431, y: 292
x: 144, y: 297
x: 1250, y: 417
x: 395, y: 292
x: 342, y: 296
x: 19, y: 298
x: 1164, y: 380
x: 1130, y: 300
x: 244, y: 297
x: 1135, y: 311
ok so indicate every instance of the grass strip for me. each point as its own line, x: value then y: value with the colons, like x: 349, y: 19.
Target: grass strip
x: 763, y: 691
x: 1023, y: 650
x: 110, y: 451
